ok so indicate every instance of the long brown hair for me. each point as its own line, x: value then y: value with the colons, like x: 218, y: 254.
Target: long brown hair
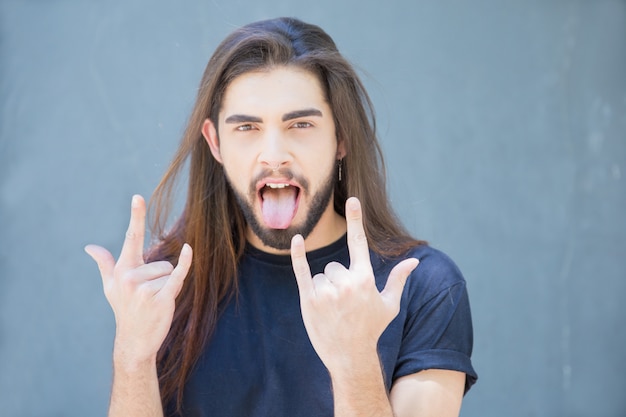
x: 211, y: 221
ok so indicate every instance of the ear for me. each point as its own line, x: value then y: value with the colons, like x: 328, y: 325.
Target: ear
x: 210, y: 135
x: 341, y: 149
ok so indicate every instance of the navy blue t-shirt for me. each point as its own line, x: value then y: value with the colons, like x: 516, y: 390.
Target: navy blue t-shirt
x: 260, y: 362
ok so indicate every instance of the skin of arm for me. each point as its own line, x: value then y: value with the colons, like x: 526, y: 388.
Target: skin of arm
x: 142, y: 297
x: 135, y: 390
x: 344, y: 315
x: 429, y: 393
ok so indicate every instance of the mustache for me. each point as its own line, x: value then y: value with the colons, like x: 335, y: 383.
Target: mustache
x: 268, y: 173
x: 285, y: 173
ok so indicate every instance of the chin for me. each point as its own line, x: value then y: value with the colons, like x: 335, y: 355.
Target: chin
x: 311, y: 211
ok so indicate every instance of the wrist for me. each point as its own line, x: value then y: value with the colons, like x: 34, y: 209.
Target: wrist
x: 354, y: 365
x: 359, y: 386
x: 129, y: 360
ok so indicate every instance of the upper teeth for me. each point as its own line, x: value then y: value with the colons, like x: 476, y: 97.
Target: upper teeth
x: 277, y: 185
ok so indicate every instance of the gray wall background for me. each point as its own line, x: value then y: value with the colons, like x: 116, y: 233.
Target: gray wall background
x: 504, y: 126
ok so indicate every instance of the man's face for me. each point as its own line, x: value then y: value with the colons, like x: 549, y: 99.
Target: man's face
x: 278, y: 145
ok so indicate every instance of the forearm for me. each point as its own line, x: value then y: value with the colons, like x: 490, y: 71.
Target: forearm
x: 135, y: 390
x: 345, y: 314
x: 143, y: 299
x: 359, y: 388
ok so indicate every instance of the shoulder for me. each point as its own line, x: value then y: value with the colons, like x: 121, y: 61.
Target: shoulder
x: 436, y: 266
x: 435, y: 273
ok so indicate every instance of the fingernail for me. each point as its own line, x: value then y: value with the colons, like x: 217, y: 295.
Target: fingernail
x: 135, y: 201
x: 353, y: 204
x: 297, y: 239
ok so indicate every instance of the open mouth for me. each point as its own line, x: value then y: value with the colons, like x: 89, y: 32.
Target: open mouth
x: 279, y: 203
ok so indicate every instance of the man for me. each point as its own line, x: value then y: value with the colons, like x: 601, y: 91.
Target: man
x: 303, y: 296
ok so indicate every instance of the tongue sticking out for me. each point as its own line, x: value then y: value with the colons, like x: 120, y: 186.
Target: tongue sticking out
x: 279, y: 206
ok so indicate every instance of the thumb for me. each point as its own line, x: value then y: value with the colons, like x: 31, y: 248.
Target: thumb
x: 396, y: 281
x: 104, y: 259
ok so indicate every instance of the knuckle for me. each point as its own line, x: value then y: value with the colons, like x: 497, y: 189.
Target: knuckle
x: 144, y: 292
x: 363, y: 285
x: 300, y: 270
x: 132, y: 234
x: 164, y: 267
x: 347, y: 291
x: 354, y: 215
x: 318, y: 279
x: 127, y: 280
x: 330, y: 267
x: 118, y: 271
x: 360, y: 237
x: 108, y: 291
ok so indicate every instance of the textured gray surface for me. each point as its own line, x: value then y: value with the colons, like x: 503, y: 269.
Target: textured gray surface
x: 504, y: 126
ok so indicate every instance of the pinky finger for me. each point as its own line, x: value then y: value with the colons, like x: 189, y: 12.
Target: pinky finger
x: 178, y: 275
x: 397, y: 280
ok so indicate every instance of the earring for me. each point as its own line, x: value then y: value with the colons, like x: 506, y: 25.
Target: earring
x: 340, y: 161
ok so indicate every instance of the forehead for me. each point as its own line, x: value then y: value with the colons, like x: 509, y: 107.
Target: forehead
x: 279, y: 89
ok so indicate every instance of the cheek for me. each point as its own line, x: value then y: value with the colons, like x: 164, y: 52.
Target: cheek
x: 322, y: 159
x: 240, y: 154
x: 237, y: 169
x: 236, y: 155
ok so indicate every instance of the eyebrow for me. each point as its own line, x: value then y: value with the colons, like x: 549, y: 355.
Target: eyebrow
x: 301, y: 113
x: 244, y: 118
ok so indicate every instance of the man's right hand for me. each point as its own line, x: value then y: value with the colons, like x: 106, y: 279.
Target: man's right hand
x: 141, y: 295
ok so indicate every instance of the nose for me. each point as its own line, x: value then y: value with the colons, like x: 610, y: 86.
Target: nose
x: 275, y: 152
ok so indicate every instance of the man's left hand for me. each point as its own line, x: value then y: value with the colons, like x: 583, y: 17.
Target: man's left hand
x: 343, y: 311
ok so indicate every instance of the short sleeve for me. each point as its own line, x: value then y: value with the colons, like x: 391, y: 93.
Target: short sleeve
x: 437, y: 331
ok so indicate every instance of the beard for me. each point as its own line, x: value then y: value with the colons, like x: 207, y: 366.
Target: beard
x: 281, y: 238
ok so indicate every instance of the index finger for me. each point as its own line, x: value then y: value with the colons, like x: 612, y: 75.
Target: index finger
x: 357, y: 240
x: 132, y: 250
x: 300, y: 265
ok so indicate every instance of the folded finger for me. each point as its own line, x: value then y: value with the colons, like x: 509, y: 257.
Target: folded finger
x: 336, y: 273
x: 152, y: 270
x: 324, y: 286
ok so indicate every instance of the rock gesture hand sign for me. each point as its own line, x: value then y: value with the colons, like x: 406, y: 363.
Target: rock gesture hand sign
x: 141, y: 295
x: 343, y: 311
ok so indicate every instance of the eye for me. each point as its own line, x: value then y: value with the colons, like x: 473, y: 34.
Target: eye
x: 244, y: 128
x: 301, y: 125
